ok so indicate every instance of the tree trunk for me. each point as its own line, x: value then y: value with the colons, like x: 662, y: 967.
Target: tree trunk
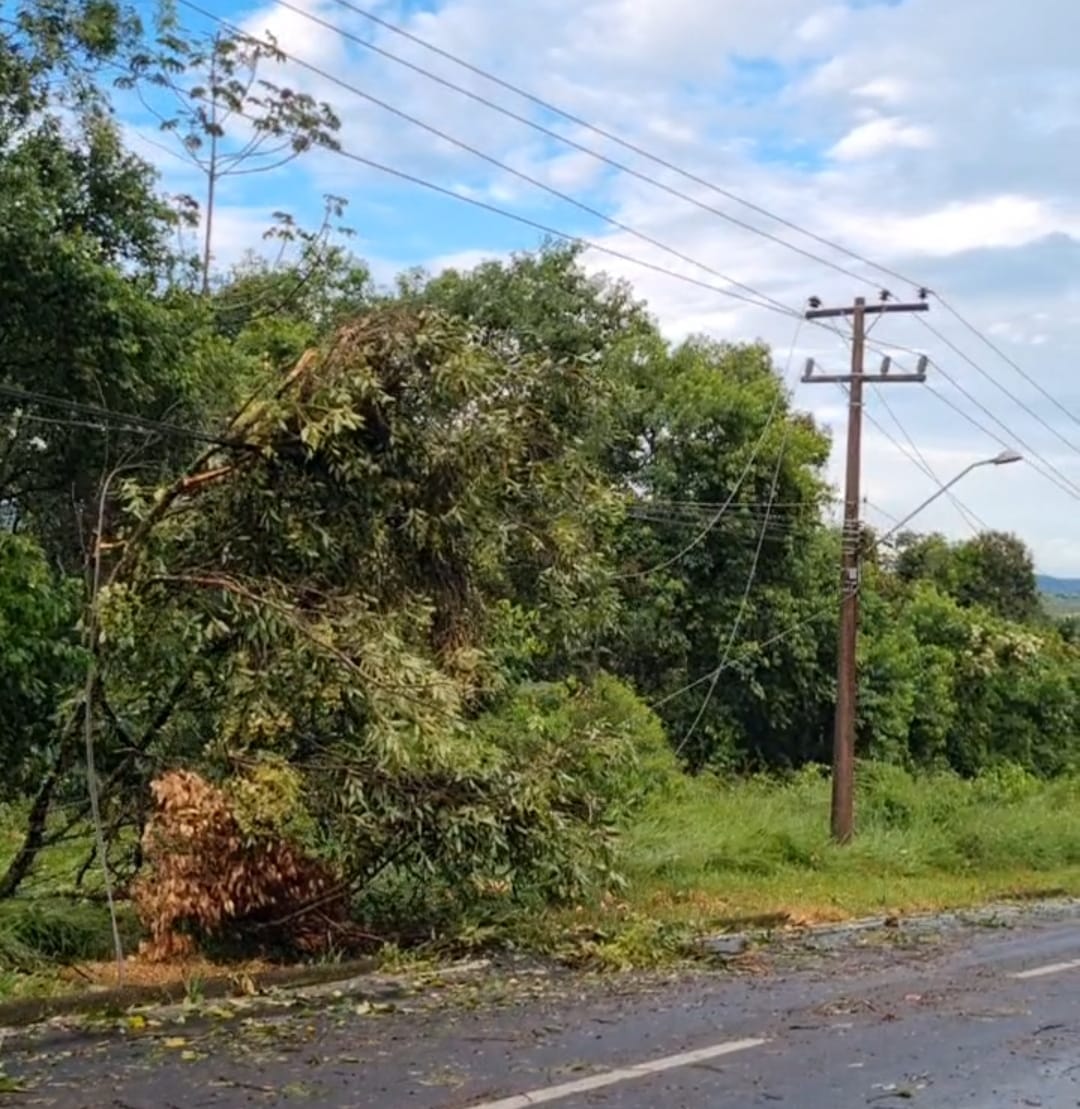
x: 34, y: 838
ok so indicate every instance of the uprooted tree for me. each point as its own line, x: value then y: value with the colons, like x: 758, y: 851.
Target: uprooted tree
x: 355, y: 587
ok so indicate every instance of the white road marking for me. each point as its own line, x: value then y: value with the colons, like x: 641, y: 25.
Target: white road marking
x: 1051, y: 968
x: 623, y: 1074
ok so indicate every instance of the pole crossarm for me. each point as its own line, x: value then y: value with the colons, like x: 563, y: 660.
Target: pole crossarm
x: 870, y: 379
x: 884, y: 376
x: 867, y: 310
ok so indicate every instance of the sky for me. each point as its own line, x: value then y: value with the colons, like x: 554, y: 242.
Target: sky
x: 937, y: 138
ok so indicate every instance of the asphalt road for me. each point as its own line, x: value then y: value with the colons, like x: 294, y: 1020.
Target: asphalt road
x: 951, y: 1015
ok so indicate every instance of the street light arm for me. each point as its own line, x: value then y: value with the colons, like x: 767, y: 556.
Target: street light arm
x: 930, y: 500
x: 1002, y: 459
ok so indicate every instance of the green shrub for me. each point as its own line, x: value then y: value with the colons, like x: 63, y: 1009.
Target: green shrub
x: 603, y: 733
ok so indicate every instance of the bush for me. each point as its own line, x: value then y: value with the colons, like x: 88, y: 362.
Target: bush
x: 1005, y: 783
x: 886, y: 796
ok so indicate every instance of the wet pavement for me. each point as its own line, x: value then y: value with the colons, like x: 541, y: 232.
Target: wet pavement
x: 948, y: 1014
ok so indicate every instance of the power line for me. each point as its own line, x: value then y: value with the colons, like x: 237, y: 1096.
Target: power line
x: 798, y: 625
x: 1002, y: 388
x: 596, y: 213
x: 791, y: 629
x: 755, y: 297
x: 1002, y: 355
x: 791, y: 511
x: 606, y: 134
x: 807, y: 503
x: 143, y: 423
x: 737, y: 511
x: 548, y: 230
x: 566, y: 198
x: 637, y: 149
x: 980, y: 426
x: 745, y: 600
x: 574, y: 144
x: 718, y: 515
x: 915, y: 455
x: 881, y: 511
x: 778, y: 523
x: 730, y: 532
x: 704, y: 533
x: 553, y: 232
x: 1041, y: 464
x: 777, y: 527
x: 537, y: 225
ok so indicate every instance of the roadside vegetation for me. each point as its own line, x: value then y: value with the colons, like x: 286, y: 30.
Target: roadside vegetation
x: 339, y: 618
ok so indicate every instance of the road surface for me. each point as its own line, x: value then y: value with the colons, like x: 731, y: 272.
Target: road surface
x: 953, y: 1015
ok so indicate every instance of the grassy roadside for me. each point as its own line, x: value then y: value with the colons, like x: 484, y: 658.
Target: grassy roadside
x: 711, y: 855
x: 716, y: 853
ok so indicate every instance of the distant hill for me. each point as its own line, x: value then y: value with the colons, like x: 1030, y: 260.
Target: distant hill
x: 1058, y: 587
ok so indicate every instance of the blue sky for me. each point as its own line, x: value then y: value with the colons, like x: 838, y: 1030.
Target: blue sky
x: 936, y: 138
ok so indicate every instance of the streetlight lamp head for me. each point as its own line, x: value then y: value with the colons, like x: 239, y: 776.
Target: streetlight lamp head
x: 1008, y: 456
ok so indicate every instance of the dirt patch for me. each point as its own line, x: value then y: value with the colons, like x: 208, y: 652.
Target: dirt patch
x: 139, y: 972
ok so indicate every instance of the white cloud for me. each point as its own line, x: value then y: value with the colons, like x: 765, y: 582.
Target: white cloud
x: 886, y: 90
x: 999, y: 221
x: 881, y: 136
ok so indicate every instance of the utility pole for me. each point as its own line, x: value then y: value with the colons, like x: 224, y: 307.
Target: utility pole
x: 843, y: 760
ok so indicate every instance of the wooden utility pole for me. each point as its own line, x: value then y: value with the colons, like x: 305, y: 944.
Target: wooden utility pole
x: 843, y: 762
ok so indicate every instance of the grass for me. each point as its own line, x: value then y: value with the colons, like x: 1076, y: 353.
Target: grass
x: 720, y: 854
x: 43, y: 938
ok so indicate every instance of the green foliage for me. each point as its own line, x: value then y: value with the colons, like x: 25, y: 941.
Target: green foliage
x: 326, y: 606
x: 945, y: 684
x: 88, y: 312
x: 615, y: 747
x: 267, y: 801
x: 715, y: 419
x: 275, y: 312
x: 229, y: 117
x: 994, y: 571
x: 40, y: 658
x: 636, y: 942
x: 556, y: 769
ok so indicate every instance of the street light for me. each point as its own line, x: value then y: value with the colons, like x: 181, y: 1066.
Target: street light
x: 1006, y: 457
x: 843, y: 781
